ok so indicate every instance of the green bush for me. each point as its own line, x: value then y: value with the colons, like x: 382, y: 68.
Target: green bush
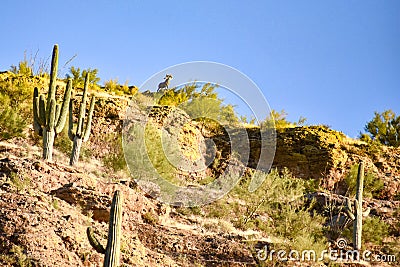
x: 200, y: 102
x: 277, y: 208
x: 374, y: 230
x: 372, y: 185
x: 20, y: 181
x: 16, y: 93
x: 384, y: 127
x: 23, y: 68
x: 280, y: 199
x: 115, y: 158
x: 279, y: 120
x: 113, y: 86
x: 78, y: 77
x: 150, y: 218
x: 12, y: 124
x: 62, y: 142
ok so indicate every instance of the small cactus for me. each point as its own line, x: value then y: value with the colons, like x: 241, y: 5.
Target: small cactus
x: 48, y: 116
x: 112, y: 251
x: 357, y: 214
x: 82, y: 133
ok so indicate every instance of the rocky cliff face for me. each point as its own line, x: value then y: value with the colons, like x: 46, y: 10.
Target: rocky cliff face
x: 310, y: 152
x: 325, y: 155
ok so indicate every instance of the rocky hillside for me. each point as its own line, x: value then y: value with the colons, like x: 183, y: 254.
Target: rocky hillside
x: 46, y: 207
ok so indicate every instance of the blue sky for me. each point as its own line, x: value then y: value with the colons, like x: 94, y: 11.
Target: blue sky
x: 333, y: 62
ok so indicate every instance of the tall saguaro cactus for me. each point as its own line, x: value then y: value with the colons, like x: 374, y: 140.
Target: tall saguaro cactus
x: 357, y: 214
x: 112, y: 251
x: 49, y: 117
x: 82, y: 132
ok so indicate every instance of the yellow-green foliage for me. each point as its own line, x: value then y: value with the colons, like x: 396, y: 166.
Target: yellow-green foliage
x: 23, y: 68
x: 15, y: 103
x: 20, y: 181
x: 115, y: 156
x: 201, y: 103
x: 155, y: 147
x: 12, y: 124
x: 78, y: 77
x: 62, y: 142
x: 279, y: 120
x: 288, y: 217
x: 277, y: 208
x: 372, y: 184
x: 150, y: 217
x: 113, y: 86
x: 374, y: 231
x: 384, y: 127
x: 17, y: 256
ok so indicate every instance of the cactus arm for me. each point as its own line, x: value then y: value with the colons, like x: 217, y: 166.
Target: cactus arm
x: 42, y: 111
x: 71, y: 134
x: 53, y: 76
x: 94, y: 242
x: 89, y: 121
x: 52, y: 115
x: 57, y: 115
x: 114, y: 232
x: 64, y: 109
x: 36, y: 122
x: 82, y: 108
x: 349, y: 210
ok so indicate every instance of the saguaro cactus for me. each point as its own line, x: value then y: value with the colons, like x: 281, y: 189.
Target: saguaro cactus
x: 357, y: 214
x: 82, y: 133
x: 112, y: 251
x: 49, y: 117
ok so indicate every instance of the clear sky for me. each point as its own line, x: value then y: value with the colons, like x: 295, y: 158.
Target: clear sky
x: 333, y: 62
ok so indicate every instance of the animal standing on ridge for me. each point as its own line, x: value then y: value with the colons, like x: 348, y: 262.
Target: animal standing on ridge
x: 164, y: 84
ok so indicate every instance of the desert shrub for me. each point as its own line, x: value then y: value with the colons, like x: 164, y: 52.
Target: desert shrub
x: 372, y: 184
x: 12, y: 124
x: 143, y: 100
x: 78, y: 77
x: 17, y: 256
x: 16, y: 93
x: 157, y: 148
x: 113, y: 86
x: 23, y: 68
x: 150, y: 218
x: 220, y: 210
x: 279, y: 120
x: 20, y: 180
x: 62, y: 142
x: 287, y: 214
x: 276, y: 208
x: 201, y: 102
x: 384, y: 127
x: 374, y: 230
x: 189, y: 210
x: 115, y: 158
x: 31, y: 65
